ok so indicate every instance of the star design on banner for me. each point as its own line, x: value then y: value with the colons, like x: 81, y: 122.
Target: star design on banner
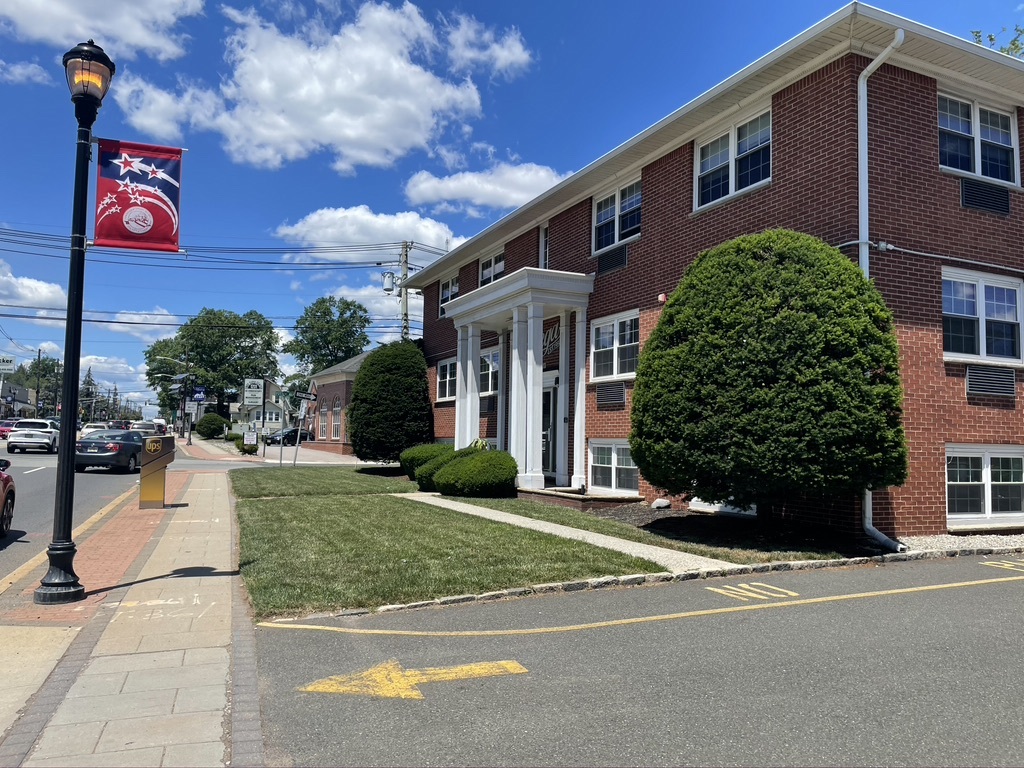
x: 128, y: 164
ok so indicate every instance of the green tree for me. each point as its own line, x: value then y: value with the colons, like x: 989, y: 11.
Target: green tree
x: 390, y: 409
x: 330, y: 330
x: 1014, y: 47
x: 219, y: 349
x: 45, y: 376
x: 773, y: 371
x: 87, y: 394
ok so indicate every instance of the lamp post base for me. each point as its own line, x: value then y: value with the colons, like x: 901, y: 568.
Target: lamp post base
x: 60, y: 584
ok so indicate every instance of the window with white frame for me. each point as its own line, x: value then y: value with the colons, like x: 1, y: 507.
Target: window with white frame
x: 544, y: 261
x: 617, y: 216
x: 490, y: 360
x: 323, y: 419
x: 735, y: 160
x: 984, y: 481
x: 447, y: 373
x: 980, y: 316
x: 491, y: 269
x: 614, y: 346
x: 612, y: 468
x: 449, y: 290
x: 336, y: 420
x: 976, y: 139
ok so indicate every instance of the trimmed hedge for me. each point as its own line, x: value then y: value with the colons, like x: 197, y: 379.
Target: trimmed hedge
x: 246, y: 450
x: 425, y: 474
x: 211, y: 426
x: 413, y: 458
x: 485, y: 474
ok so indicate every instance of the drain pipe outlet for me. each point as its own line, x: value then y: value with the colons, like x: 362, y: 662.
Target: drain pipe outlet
x: 890, y: 544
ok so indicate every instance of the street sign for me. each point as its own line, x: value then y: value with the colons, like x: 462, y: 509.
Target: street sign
x: 253, y: 392
x: 7, y: 364
x: 305, y: 396
x: 199, y: 394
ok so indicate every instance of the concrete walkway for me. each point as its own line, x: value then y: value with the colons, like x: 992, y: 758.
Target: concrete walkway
x: 669, y: 559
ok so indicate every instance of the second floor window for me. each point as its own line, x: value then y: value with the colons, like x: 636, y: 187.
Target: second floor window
x: 491, y: 269
x: 977, y: 140
x: 617, y: 216
x: 980, y: 316
x: 735, y: 160
x: 449, y: 291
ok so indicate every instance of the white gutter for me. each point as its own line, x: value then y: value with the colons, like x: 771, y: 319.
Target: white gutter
x: 864, y: 233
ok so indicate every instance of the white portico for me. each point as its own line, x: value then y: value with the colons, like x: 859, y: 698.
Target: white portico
x: 515, y: 307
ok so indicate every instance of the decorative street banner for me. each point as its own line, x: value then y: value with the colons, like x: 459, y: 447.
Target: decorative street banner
x: 138, y: 193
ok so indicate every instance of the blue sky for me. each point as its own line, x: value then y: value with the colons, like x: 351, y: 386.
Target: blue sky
x: 335, y: 123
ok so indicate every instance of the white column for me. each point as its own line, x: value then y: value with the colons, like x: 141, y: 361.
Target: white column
x: 579, y: 429
x: 460, y: 386
x: 517, y: 411
x: 562, y: 408
x: 502, y: 390
x: 472, y: 402
x: 534, y: 476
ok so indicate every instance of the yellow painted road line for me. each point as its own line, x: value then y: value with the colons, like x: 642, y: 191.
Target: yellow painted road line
x: 754, y: 589
x: 19, y: 573
x: 390, y: 681
x: 642, y: 619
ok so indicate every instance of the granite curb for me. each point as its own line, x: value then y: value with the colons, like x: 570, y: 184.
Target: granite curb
x: 662, y: 577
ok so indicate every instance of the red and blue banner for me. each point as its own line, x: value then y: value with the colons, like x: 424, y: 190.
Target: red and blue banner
x: 138, y: 196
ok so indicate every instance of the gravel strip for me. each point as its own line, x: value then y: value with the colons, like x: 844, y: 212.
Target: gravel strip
x: 948, y: 541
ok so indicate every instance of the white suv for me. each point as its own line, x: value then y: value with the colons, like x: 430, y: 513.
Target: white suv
x: 33, y: 433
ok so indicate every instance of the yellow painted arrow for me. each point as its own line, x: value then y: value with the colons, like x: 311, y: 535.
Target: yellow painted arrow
x: 390, y: 681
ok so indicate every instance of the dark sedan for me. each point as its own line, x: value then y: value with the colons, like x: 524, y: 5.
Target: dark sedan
x: 287, y: 436
x: 114, y: 448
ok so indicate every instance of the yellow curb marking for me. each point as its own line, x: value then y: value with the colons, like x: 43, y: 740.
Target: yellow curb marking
x: 642, y: 619
x: 390, y: 681
x: 1010, y: 565
x: 19, y: 573
x: 755, y: 589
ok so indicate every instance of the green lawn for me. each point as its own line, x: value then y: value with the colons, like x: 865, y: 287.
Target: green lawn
x: 328, y: 538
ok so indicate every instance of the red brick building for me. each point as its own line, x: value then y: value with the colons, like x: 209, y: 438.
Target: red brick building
x: 892, y: 141
x: 326, y: 417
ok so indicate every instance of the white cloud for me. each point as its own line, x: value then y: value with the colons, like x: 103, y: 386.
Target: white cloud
x: 23, y: 72
x: 472, y: 46
x: 503, y: 186
x: 123, y: 28
x: 361, y: 93
x: 29, y: 292
x: 149, y: 326
x: 360, y: 225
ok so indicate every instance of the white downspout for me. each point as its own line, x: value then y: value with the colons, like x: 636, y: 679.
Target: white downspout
x: 864, y: 232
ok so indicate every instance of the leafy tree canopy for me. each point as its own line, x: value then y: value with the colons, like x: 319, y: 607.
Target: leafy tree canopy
x: 1013, y: 47
x: 221, y: 349
x: 330, y: 331
x: 390, y: 409
x: 773, y: 371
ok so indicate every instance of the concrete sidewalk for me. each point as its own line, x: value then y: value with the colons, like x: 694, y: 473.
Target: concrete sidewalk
x: 157, y: 665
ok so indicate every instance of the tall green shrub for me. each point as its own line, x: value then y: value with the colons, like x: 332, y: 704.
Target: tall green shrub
x: 773, y: 371
x: 390, y: 409
x: 211, y: 426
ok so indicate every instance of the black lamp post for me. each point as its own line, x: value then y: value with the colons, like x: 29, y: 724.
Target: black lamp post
x: 89, y: 71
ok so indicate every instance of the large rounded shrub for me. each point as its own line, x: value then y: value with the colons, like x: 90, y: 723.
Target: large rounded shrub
x: 413, y: 458
x: 211, y: 426
x: 425, y: 474
x: 390, y: 409
x: 773, y: 371
x: 484, y: 474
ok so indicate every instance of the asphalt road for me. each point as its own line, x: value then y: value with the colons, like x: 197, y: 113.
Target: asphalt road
x: 915, y: 663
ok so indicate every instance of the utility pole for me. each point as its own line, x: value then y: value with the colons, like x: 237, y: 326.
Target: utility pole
x: 39, y: 365
x: 404, y: 292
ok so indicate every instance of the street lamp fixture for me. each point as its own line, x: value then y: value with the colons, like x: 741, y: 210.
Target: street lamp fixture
x: 89, y: 71
x: 183, y: 379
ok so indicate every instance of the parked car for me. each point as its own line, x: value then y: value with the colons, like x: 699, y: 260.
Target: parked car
x: 7, y: 491
x: 92, y: 426
x: 40, y: 434
x: 145, y: 427
x: 288, y: 435
x: 6, y: 426
x: 113, y: 448
x: 161, y: 426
